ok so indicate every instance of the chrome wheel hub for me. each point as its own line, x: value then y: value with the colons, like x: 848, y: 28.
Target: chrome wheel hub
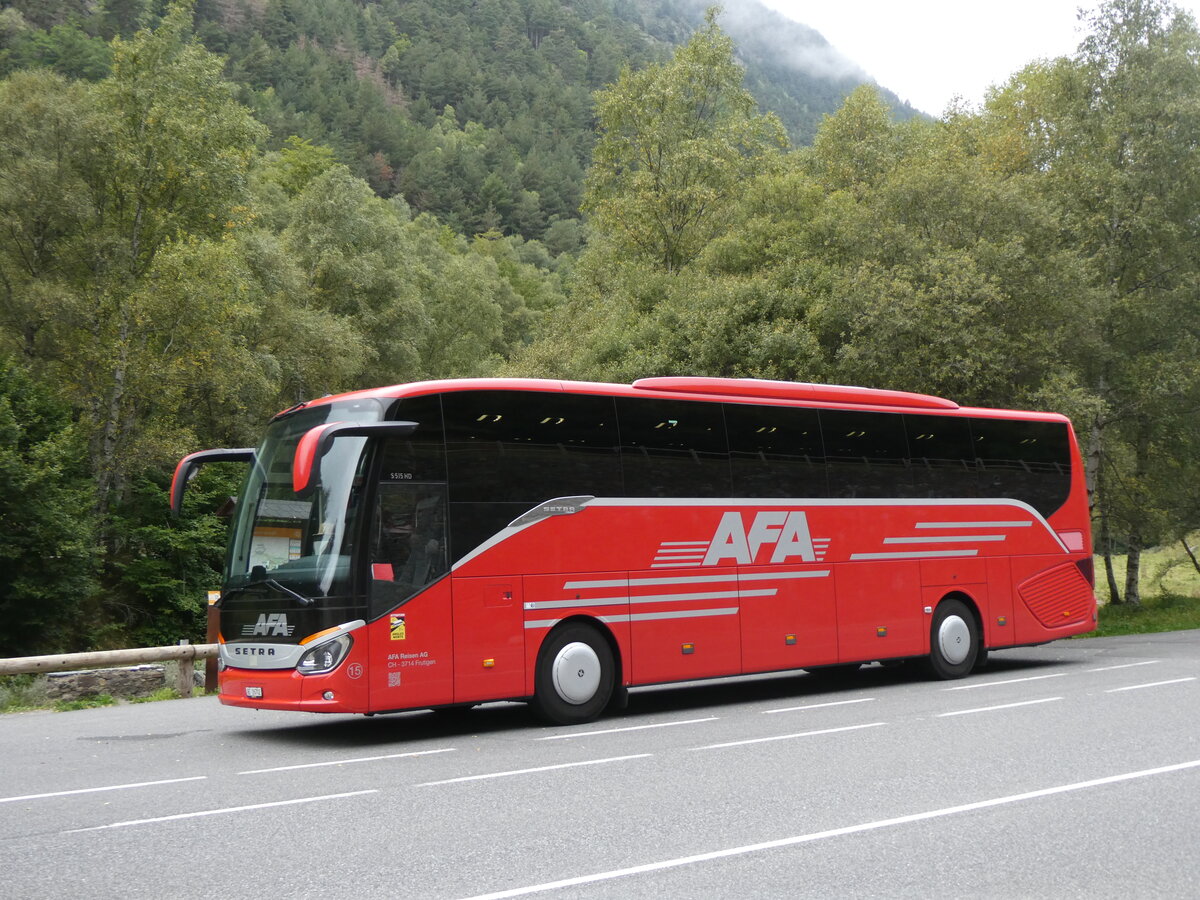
x: 576, y: 673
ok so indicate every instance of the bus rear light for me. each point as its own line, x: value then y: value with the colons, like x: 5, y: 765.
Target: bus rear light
x: 1072, y: 540
x: 1087, y: 568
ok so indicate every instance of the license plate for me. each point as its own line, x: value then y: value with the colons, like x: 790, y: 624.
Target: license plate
x: 254, y: 693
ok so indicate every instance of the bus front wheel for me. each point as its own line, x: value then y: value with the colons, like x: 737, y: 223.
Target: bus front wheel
x: 575, y: 675
x: 953, y: 640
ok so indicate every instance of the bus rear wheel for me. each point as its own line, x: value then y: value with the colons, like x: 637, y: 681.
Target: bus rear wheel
x: 953, y: 640
x: 575, y: 675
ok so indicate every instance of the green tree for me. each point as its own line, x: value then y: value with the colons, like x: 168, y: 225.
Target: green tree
x: 297, y: 163
x: 1116, y: 131
x: 47, y: 556
x: 351, y: 248
x: 676, y: 143
x: 46, y: 131
x: 171, y: 153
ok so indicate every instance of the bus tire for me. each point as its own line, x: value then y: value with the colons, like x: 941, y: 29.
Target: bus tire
x: 953, y: 640
x: 575, y: 675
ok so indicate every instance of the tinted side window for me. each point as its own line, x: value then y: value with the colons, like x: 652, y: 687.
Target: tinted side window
x: 1029, y: 461
x: 528, y: 446
x: 942, y: 456
x: 408, y: 549
x: 775, y: 451
x: 867, y: 454
x: 421, y: 456
x: 673, y: 448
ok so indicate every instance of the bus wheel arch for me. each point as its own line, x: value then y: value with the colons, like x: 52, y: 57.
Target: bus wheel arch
x: 577, y: 672
x: 955, y: 638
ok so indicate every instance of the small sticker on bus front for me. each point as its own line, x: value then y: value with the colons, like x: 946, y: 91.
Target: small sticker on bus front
x: 396, y: 623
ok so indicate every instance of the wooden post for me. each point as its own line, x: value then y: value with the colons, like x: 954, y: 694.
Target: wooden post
x: 212, y: 636
x: 184, y: 684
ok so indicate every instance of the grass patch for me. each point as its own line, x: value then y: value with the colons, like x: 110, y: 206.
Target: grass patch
x: 1170, y: 588
x: 26, y: 693
x: 84, y: 703
x: 1165, y: 612
x: 19, y: 693
x: 1165, y: 570
x: 163, y: 693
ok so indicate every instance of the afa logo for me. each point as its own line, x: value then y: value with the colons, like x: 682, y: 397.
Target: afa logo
x: 784, y: 531
x: 273, y: 625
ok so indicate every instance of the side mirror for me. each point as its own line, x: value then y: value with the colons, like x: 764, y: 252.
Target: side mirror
x: 190, y: 465
x: 316, y: 443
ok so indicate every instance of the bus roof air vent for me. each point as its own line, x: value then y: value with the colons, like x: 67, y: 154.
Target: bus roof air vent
x: 761, y: 389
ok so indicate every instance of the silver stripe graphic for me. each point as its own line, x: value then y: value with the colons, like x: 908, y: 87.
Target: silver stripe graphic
x: 807, y: 503
x: 651, y: 598
x: 915, y: 554
x: 694, y: 579
x: 945, y: 539
x: 565, y: 604
x: 701, y: 544
x: 771, y: 576
x: 646, y: 617
x: 973, y: 525
x: 680, y: 614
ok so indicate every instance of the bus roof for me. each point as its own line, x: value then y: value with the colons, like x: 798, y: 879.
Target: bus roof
x: 787, y: 393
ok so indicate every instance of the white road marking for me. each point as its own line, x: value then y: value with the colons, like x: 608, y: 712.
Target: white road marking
x: 582, y: 734
x: 831, y: 833
x: 1149, y: 662
x: 817, y: 706
x: 111, y: 787
x: 346, y: 762
x: 1135, y: 687
x: 219, y: 812
x: 784, y: 737
x: 589, y: 762
x: 983, y: 684
x: 966, y: 712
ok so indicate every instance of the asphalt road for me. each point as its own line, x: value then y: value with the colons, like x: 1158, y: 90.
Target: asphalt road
x: 1071, y: 770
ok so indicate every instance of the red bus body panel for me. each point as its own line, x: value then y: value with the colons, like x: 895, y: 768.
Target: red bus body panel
x: 709, y: 588
x: 702, y: 588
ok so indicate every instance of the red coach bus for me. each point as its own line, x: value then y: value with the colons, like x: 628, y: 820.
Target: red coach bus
x: 448, y: 543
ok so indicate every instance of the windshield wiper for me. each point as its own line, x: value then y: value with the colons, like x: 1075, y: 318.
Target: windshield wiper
x: 271, y: 583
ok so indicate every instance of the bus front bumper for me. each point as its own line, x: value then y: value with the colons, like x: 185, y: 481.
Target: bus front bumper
x: 287, y: 689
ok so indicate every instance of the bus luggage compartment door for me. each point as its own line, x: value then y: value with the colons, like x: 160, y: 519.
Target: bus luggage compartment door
x: 789, y: 617
x: 683, y: 625
x: 489, y: 639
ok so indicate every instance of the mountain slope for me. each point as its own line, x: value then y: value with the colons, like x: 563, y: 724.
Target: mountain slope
x: 480, y: 112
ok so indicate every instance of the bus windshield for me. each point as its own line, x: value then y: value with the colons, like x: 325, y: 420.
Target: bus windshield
x: 303, y: 544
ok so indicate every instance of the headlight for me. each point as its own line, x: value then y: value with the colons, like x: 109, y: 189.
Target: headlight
x: 326, y: 656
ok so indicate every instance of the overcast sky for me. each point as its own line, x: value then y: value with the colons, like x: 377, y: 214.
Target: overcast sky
x: 928, y: 51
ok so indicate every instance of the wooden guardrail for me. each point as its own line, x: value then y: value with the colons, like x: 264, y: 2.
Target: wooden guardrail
x: 102, y: 659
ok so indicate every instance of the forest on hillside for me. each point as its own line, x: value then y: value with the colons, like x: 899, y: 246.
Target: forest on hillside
x: 212, y: 210
x: 480, y: 114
